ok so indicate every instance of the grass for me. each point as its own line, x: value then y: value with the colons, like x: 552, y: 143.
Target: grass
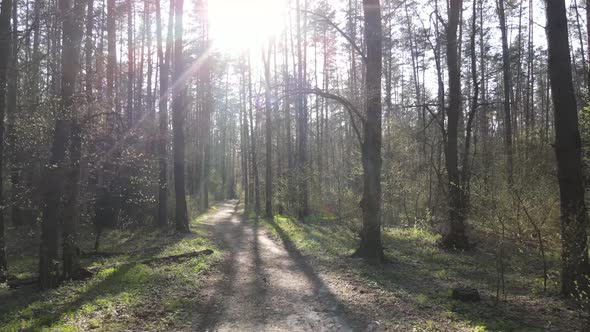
x: 155, y: 297
x: 421, y: 276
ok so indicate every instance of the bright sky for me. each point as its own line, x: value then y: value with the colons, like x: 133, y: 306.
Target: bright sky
x: 237, y: 25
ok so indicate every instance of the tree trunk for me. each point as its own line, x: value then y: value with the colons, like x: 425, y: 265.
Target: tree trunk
x: 178, y: 114
x: 72, y: 37
x: 288, y: 138
x: 370, y: 247
x: 130, y: 65
x: 206, y: 135
x: 164, y: 64
x: 455, y: 238
x: 88, y: 50
x: 268, y: 106
x: 149, y: 95
x: 5, y: 12
x: 302, y: 123
x: 112, y: 53
x: 14, y: 154
x: 507, y: 74
x: 71, y: 251
x: 244, y: 143
x: 253, y: 144
x: 49, y: 272
x: 574, y: 220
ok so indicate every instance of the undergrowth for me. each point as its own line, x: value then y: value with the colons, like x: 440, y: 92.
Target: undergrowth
x: 421, y: 276
x: 154, y: 297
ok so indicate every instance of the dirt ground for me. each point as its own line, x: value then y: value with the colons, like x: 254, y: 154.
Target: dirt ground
x: 264, y: 286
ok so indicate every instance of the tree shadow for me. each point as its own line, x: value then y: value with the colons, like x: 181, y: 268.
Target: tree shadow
x: 231, y: 242
x: 321, y: 291
x: 45, y: 308
x: 421, y: 277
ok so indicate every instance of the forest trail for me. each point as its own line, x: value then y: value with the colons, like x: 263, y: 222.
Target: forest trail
x: 262, y: 285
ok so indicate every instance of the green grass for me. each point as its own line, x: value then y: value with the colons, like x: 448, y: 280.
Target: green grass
x: 421, y: 275
x: 155, y: 297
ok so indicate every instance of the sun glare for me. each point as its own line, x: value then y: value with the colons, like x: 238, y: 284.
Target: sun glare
x: 238, y: 25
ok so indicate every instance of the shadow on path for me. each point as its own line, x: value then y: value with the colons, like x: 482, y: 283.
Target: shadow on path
x: 265, y: 285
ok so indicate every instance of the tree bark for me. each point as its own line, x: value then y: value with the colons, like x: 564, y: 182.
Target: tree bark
x: 268, y: 106
x: 49, y: 270
x: 302, y: 123
x: 370, y: 247
x: 574, y: 219
x: 164, y: 64
x: 507, y: 76
x: 455, y: 237
x: 253, y: 142
x: 178, y: 114
x: 88, y: 50
x: 112, y: 53
x: 5, y: 12
x: 72, y: 38
x: 14, y: 154
x: 130, y: 65
x: 244, y: 143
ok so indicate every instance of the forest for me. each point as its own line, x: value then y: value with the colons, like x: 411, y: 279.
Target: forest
x: 294, y: 165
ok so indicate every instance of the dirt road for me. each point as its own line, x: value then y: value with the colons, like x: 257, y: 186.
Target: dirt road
x: 264, y: 285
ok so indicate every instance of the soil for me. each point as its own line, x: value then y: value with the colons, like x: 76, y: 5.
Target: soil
x: 263, y: 286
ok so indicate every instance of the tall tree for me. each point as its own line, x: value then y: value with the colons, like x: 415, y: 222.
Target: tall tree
x: 72, y: 38
x: 244, y: 142
x: 13, y: 153
x: 178, y: 113
x: 5, y: 12
x: 130, y: 65
x: 164, y: 64
x: 268, y: 107
x: 302, y: 121
x: 574, y: 218
x: 89, y: 46
x: 370, y: 246
x: 253, y: 141
x: 49, y: 269
x: 112, y: 52
x: 507, y: 76
x: 455, y: 236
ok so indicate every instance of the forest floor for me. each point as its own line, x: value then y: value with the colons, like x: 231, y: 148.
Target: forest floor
x: 286, y: 275
x: 299, y: 276
x: 140, y: 297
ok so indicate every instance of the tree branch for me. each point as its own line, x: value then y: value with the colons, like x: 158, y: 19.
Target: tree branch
x: 340, y: 31
x: 352, y: 110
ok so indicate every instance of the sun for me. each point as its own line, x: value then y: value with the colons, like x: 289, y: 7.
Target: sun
x: 240, y: 25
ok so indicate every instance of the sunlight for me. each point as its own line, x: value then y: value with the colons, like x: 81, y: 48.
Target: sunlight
x: 238, y: 25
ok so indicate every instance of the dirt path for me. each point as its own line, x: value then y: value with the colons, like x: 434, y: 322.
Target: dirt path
x: 264, y: 286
